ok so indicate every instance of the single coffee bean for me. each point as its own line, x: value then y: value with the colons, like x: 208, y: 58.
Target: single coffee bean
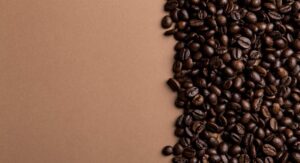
x: 178, y: 149
x: 269, y: 150
x: 189, y: 152
x: 296, y: 156
x: 269, y: 160
x: 192, y: 92
x: 244, y: 42
x: 244, y: 158
x: 167, y: 150
x: 208, y: 50
x: 166, y: 22
x: 223, y: 148
x: 273, y: 124
x: 174, y: 84
x: 277, y: 142
x: 234, y: 150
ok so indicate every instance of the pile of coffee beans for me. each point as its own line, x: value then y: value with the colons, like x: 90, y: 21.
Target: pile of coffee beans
x: 237, y: 77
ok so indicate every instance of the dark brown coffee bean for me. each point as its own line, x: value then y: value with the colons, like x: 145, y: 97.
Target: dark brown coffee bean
x: 252, y: 151
x: 277, y: 142
x: 274, y: 15
x: 179, y: 159
x: 260, y: 133
x: 273, y: 124
x: 235, y: 138
x: 244, y: 158
x: 244, y: 42
x: 214, y: 158
x: 269, y: 150
x: 234, y: 150
x: 178, y: 149
x: 166, y: 22
x: 251, y: 17
x: 236, y: 53
x: 189, y: 152
x: 167, y: 150
x: 174, y: 84
x: 238, y: 65
x: 235, y: 15
x: 223, y: 148
x: 296, y: 156
x: 213, y: 99
x: 213, y: 127
x: 269, y: 160
x: 198, y: 100
x: 255, y: 76
x: 184, y: 54
x: 208, y: 50
x: 192, y: 92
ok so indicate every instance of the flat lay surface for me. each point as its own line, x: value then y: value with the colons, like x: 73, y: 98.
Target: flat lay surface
x: 84, y: 82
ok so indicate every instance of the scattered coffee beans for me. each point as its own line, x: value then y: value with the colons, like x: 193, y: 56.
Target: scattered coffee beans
x: 236, y: 73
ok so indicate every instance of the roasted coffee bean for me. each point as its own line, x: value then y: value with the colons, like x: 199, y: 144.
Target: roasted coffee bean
x: 269, y: 150
x: 174, y: 84
x: 189, y: 152
x: 178, y: 149
x: 167, y: 150
x: 273, y: 124
x: 277, y: 142
x: 234, y: 150
x: 244, y: 158
x: 296, y: 156
x: 192, y: 92
x: 179, y: 159
x: 269, y: 160
x: 166, y: 22
x: 244, y: 42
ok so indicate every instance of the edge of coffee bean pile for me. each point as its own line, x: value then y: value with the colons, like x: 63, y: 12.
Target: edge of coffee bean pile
x: 236, y: 73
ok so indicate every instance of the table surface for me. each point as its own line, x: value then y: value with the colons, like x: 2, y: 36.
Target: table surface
x: 83, y: 81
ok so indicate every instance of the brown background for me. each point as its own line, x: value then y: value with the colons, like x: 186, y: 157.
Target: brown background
x: 83, y: 81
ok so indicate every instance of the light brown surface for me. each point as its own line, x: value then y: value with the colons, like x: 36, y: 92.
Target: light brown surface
x: 83, y: 81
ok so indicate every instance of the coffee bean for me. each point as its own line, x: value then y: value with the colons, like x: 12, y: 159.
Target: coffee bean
x: 251, y: 17
x: 213, y: 99
x: 269, y: 150
x: 244, y: 42
x: 208, y: 50
x: 238, y: 65
x: 255, y: 76
x: 174, y: 84
x: 198, y: 127
x: 214, y: 158
x: 167, y: 150
x: 192, y: 92
x: 223, y: 148
x: 234, y: 150
x: 269, y: 160
x: 274, y: 15
x: 273, y: 124
x: 244, y: 158
x: 189, y: 152
x: 178, y: 149
x: 179, y: 159
x: 235, y: 15
x: 277, y: 142
x: 296, y: 156
x: 213, y: 127
x: 166, y: 22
